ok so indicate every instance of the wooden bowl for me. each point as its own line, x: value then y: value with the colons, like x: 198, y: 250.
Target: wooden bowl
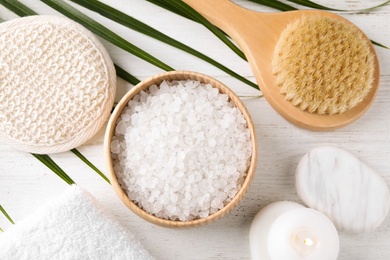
x: 170, y: 76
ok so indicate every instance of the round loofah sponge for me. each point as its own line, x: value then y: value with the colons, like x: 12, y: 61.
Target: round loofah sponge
x: 57, y: 84
x: 323, y: 65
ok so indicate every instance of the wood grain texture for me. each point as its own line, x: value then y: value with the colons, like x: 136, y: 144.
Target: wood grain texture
x: 26, y: 184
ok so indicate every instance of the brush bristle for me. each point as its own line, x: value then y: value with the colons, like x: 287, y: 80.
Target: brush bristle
x: 323, y: 65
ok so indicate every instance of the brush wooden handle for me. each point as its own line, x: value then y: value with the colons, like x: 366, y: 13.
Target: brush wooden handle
x: 246, y: 27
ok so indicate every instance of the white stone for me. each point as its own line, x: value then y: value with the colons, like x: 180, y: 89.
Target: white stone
x: 349, y: 192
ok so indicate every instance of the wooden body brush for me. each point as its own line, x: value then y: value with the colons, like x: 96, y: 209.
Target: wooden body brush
x: 265, y: 39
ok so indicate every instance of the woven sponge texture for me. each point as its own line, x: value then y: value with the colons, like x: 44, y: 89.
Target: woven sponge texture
x: 323, y: 65
x: 57, y: 84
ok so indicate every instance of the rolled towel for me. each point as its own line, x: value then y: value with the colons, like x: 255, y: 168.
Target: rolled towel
x: 72, y: 226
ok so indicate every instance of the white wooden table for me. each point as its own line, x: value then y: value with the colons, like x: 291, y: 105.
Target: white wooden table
x: 25, y: 183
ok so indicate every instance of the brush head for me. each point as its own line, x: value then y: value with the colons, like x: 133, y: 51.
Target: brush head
x: 323, y: 65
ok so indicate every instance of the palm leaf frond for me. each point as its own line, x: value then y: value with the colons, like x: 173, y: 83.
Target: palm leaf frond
x: 17, y: 7
x: 6, y: 215
x: 46, y: 160
x: 87, y: 162
x: 104, y: 32
x: 314, y: 5
x: 134, y: 24
x: 126, y: 76
x: 174, y: 5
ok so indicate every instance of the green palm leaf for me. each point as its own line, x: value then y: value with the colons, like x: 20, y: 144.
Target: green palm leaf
x: 46, y: 160
x: 379, y: 44
x: 126, y: 76
x: 17, y: 7
x: 141, y: 27
x: 171, y: 8
x: 6, y: 215
x: 189, y: 12
x: 284, y: 7
x: 87, y: 162
x: 311, y: 4
x: 103, y: 32
x: 110, y: 36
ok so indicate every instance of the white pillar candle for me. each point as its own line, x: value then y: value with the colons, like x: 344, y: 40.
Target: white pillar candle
x: 287, y: 230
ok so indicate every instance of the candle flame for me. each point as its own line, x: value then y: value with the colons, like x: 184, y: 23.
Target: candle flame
x: 308, y: 242
x: 305, y: 242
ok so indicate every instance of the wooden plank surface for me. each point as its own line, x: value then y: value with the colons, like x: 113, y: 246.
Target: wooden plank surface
x: 25, y: 183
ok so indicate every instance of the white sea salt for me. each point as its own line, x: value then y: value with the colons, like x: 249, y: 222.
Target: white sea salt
x: 181, y: 150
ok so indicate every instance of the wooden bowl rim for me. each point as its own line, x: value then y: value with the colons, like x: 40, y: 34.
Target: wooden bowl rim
x: 157, y: 79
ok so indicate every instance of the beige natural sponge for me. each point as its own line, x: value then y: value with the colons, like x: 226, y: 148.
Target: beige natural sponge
x: 57, y: 85
x: 323, y: 65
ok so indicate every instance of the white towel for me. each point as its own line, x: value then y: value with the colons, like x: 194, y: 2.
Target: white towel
x: 72, y: 226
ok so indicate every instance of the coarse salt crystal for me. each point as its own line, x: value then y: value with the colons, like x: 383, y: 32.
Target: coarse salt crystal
x: 181, y: 150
